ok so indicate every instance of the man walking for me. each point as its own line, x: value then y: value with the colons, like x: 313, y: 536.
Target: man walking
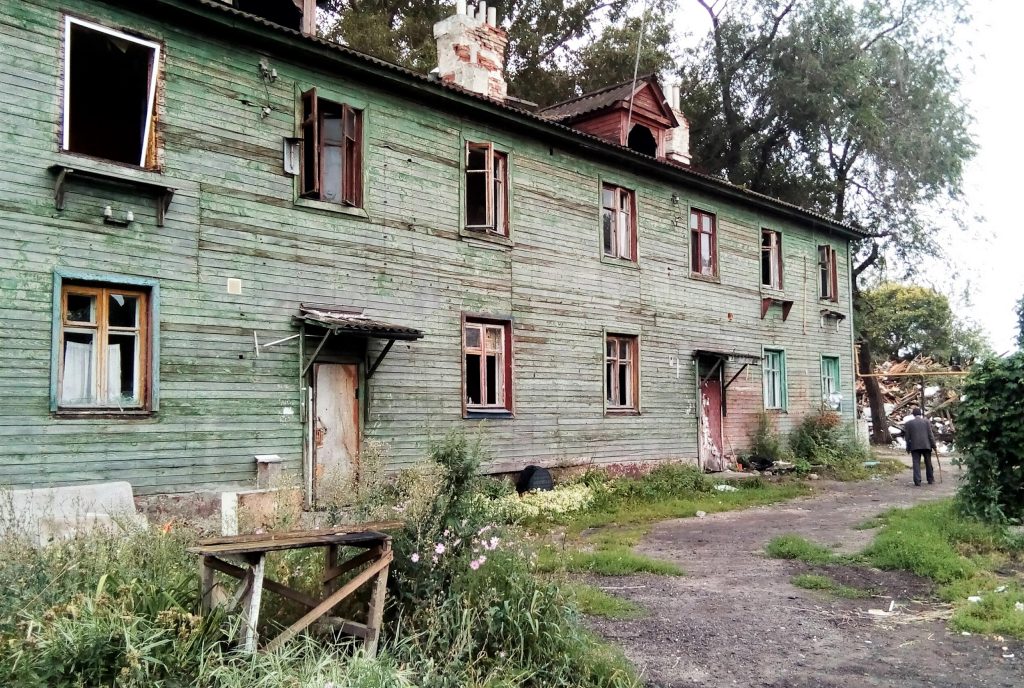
x: 920, y: 442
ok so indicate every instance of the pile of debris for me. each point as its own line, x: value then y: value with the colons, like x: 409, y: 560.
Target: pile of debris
x: 922, y: 383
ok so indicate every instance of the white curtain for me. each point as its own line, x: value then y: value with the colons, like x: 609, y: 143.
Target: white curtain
x: 78, y: 384
x: 113, y: 372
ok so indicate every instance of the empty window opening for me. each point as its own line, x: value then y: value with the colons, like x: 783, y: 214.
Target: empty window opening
x: 486, y: 189
x: 621, y: 373
x: 828, y: 274
x: 774, y: 379
x: 332, y: 151
x: 642, y: 140
x: 703, y: 243
x: 771, y: 259
x: 104, y: 350
x: 109, y: 93
x: 618, y: 222
x: 487, y: 352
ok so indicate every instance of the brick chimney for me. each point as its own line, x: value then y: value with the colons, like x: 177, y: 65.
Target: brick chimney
x: 677, y: 140
x: 471, y: 50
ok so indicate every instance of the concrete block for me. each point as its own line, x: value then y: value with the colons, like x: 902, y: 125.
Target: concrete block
x: 50, y: 513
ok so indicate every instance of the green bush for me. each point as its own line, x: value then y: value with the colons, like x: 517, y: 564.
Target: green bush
x: 793, y: 546
x: 664, y: 482
x: 990, y: 436
x: 823, y: 440
x: 765, y: 441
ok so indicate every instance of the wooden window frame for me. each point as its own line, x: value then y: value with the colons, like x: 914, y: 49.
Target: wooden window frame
x: 503, y: 405
x: 311, y: 129
x: 148, y: 336
x: 495, y: 173
x: 619, y: 194
x: 696, y: 264
x: 774, y: 278
x: 828, y: 273
x: 154, y: 76
x: 783, y: 392
x: 828, y: 362
x: 611, y: 382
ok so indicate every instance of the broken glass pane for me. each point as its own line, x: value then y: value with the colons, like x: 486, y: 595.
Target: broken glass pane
x: 81, y: 308
x: 121, y: 368
x: 476, y: 199
x: 623, y: 385
x: 477, y: 159
x: 472, y: 337
x: 123, y: 310
x: 492, y: 380
x: 473, y: 395
x: 494, y: 338
x: 609, y: 377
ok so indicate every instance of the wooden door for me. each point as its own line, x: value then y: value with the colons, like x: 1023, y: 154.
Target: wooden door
x: 711, y: 454
x: 335, y: 427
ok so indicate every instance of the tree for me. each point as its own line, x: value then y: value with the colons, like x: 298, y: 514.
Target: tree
x: 1019, y: 309
x: 902, y: 322
x: 556, y: 48
x: 850, y: 109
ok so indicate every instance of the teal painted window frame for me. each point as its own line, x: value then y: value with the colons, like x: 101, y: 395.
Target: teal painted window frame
x: 831, y: 364
x: 783, y: 395
x: 62, y: 275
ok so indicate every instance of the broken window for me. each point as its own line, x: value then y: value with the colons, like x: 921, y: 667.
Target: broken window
x: 332, y: 151
x: 828, y: 274
x: 104, y: 348
x: 486, y: 189
x: 109, y: 93
x: 831, y: 395
x: 618, y: 222
x: 703, y: 243
x: 487, y: 350
x: 771, y: 259
x: 621, y: 372
x: 774, y: 379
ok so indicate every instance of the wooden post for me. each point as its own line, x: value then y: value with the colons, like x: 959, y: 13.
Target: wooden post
x: 206, y: 586
x: 251, y: 605
x: 375, y: 617
x: 330, y: 562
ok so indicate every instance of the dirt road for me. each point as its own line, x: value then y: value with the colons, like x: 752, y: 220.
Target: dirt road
x: 736, y: 620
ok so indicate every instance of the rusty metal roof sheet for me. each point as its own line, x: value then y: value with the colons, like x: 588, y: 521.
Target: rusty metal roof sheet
x: 588, y: 140
x: 347, y: 321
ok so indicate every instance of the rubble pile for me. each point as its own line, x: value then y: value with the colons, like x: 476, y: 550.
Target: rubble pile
x: 902, y: 391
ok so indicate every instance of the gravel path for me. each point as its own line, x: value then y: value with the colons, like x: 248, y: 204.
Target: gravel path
x: 735, y: 619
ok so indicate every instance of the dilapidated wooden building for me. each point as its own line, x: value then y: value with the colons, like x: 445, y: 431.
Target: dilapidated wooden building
x: 222, y: 237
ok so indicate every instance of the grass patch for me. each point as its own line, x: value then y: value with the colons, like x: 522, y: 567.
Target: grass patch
x: 813, y: 581
x: 966, y: 557
x: 594, y: 601
x: 607, y: 561
x: 797, y: 548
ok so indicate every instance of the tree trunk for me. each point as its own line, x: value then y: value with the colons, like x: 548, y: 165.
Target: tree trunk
x: 879, y: 421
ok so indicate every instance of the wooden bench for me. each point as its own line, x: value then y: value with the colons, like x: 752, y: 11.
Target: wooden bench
x: 244, y: 557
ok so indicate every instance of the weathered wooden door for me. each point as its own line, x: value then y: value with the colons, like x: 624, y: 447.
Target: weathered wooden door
x: 335, y: 426
x: 711, y: 454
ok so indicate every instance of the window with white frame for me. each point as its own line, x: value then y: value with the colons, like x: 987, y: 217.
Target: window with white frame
x: 110, y: 82
x: 618, y: 222
x: 104, y: 349
x: 831, y: 395
x: 486, y: 189
x: 771, y: 259
x: 487, y: 354
x: 703, y: 243
x: 774, y: 366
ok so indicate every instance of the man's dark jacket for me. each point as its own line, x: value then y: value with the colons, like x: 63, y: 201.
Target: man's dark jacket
x: 918, y: 433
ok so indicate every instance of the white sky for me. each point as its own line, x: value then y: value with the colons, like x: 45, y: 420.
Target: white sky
x: 987, y: 257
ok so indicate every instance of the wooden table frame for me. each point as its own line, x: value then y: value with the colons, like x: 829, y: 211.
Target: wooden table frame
x: 244, y: 557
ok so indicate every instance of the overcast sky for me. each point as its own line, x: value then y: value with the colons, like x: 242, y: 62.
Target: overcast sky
x: 988, y: 255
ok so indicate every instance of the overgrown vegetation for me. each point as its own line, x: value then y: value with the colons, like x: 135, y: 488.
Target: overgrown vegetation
x: 594, y: 601
x: 816, y: 581
x: 990, y: 435
x: 800, y: 549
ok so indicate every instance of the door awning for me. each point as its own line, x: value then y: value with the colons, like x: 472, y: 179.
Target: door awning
x: 750, y: 359
x: 353, y: 322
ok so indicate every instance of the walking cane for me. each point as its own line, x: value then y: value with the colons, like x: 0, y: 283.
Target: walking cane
x: 939, y: 462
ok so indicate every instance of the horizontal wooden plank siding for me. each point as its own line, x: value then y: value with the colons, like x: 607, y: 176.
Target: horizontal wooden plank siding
x: 234, y: 216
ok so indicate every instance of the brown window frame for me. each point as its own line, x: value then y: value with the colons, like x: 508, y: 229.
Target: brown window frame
x: 828, y: 273
x: 101, y: 329
x: 503, y: 396
x: 697, y: 230
x: 495, y: 202
x: 613, y: 362
x: 314, y: 142
x: 615, y: 210
x: 773, y: 253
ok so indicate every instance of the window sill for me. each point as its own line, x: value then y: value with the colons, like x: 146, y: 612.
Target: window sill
x: 332, y: 207
x: 776, y: 410
x: 137, y: 414
x: 76, y: 166
x: 480, y: 414
x: 620, y: 262
x: 712, y: 279
x: 484, y: 235
x: 773, y: 292
x: 610, y: 412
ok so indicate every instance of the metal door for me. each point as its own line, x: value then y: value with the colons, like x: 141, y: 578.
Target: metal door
x: 335, y: 427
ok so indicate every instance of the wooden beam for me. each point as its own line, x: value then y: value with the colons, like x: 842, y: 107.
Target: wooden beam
x: 375, y: 616
x: 268, y: 583
x: 308, y: 17
x: 251, y: 610
x: 335, y: 569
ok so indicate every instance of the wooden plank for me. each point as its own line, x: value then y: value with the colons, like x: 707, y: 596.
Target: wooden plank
x: 251, y: 608
x: 375, y: 616
x: 212, y: 563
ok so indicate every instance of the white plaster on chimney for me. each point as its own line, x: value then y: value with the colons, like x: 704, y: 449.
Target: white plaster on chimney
x: 471, y: 50
x: 677, y: 141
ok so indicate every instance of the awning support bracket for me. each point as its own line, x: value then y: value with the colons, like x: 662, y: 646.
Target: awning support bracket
x: 733, y: 378
x: 306, y: 367
x: 380, y: 358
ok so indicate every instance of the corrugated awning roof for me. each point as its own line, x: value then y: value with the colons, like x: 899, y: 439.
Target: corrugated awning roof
x: 750, y: 358
x: 347, y: 321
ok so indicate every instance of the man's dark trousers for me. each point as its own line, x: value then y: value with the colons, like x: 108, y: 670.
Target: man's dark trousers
x: 916, y: 455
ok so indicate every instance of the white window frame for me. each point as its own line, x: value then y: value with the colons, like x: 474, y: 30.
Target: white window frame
x: 154, y: 70
x: 774, y: 388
